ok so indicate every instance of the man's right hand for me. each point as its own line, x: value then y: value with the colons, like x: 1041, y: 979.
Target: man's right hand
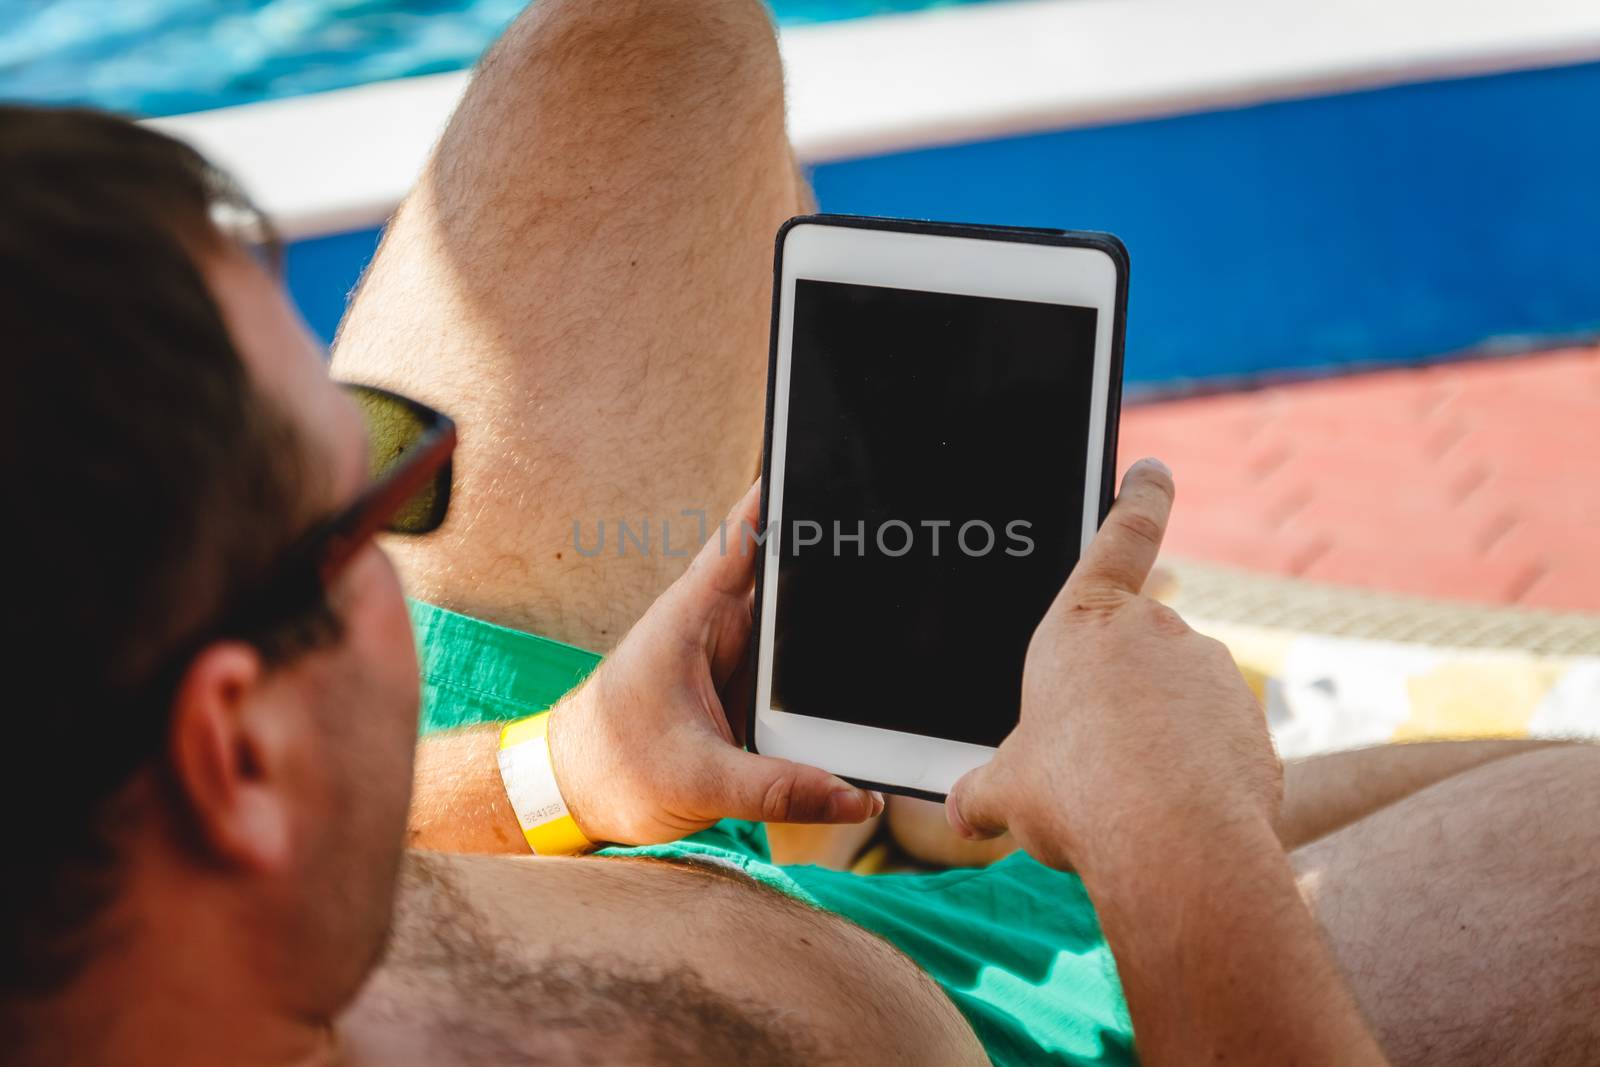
x: 1130, y: 719
x: 1143, y: 760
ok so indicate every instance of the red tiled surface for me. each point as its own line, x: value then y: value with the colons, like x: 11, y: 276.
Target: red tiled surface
x: 1475, y: 480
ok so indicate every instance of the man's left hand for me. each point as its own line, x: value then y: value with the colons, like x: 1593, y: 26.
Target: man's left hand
x: 644, y: 752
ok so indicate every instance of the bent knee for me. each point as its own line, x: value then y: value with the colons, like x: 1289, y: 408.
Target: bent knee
x: 674, y: 49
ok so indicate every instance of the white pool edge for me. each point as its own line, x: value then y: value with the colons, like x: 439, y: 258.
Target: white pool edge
x: 339, y: 161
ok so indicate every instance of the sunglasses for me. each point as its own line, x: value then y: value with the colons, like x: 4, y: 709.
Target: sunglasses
x: 409, y: 446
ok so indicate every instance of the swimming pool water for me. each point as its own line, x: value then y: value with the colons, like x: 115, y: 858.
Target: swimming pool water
x: 166, y: 57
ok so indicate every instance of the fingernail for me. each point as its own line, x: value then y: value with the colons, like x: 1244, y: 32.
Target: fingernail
x: 877, y: 802
x: 1153, y: 464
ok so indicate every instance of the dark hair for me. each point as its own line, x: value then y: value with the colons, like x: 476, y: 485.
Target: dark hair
x: 148, y: 481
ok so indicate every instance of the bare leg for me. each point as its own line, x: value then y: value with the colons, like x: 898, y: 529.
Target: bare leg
x: 582, y: 278
x: 1321, y: 794
x: 1467, y: 916
x: 920, y: 828
x: 1458, y: 883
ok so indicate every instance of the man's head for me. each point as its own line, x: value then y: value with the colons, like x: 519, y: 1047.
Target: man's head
x: 167, y: 433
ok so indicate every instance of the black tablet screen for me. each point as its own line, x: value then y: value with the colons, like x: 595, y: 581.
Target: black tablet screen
x: 932, y: 502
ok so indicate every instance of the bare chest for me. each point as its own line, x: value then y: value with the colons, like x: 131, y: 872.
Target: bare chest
x: 496, y: 960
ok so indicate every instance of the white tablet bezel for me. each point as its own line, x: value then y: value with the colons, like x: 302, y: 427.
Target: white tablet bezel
x: 1010, y: 269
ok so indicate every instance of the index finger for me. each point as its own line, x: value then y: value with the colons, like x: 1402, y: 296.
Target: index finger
x: 1121, y: 555
x: 727, y: 561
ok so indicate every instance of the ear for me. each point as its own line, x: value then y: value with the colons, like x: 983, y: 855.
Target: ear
x: 228, y: 759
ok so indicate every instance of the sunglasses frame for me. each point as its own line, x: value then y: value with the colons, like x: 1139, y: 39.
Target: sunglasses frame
x: 306, y: 570
x: 427, y: 458
x: 299, y: 580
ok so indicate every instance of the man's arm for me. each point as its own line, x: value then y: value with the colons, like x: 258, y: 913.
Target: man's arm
x: 1220, y: 959
x: 1143, y: 761
x: 643, y: 751
x: 458, y: 803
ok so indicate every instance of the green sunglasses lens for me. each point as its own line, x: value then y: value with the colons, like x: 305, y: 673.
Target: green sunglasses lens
x: 393, y: 428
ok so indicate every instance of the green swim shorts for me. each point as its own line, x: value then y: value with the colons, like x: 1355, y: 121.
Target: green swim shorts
x: 1015, y: 945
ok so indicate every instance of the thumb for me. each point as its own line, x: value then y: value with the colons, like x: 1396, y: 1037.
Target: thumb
x: 766, y: 789
x: 973, y: 807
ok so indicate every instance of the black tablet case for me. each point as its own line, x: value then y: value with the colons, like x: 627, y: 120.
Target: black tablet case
x: 1104, y: 242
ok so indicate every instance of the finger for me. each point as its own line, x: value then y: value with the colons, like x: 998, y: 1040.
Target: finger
x: 726, y: 563
x: 1123, y: 552
x: 765, y: 789
x: 971, y: 806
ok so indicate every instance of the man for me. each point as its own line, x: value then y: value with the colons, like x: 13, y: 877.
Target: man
x: 213, y: 835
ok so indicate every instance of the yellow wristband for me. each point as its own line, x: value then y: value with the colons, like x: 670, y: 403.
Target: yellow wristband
x: 530, y: 780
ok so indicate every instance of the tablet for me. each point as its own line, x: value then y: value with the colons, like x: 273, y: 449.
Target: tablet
x: 942, y: 407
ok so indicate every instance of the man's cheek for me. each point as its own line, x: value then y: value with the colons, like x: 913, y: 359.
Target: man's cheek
x: 394, y: 642
x: 388, y: 656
